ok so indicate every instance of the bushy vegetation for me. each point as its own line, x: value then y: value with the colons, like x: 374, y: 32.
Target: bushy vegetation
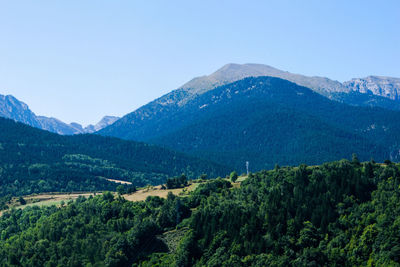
x: 176, y: 182
x: 343, y: 213
x: 34, y: 161
x: 104, y: 229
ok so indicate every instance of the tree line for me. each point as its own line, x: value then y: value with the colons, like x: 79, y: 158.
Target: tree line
x: 343, y: 213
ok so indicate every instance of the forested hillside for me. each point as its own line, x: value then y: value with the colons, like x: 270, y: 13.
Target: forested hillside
x: 343, y: 213
x: 265, y: 121
x: 33, y: 161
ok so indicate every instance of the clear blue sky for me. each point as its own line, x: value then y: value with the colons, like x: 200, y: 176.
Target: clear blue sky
x: 80, y: 60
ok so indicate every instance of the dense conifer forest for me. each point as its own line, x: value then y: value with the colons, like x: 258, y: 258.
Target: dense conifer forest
x: 35, y: 161
x: 342, y: 213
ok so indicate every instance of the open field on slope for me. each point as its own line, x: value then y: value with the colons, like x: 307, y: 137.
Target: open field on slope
x: 156, y: 191
x: 48, y: 199
x: 118, y: 181
x: 153, y: 191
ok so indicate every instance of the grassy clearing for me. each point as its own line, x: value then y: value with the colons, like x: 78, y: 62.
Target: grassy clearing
x: 118, y: 181
x: 42, y: 204
x: 156, y: 191
x: 46, y: 199
x: 241, y: 178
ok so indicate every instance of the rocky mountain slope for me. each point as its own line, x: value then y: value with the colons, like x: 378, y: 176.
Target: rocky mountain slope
x: 234, y: 72
x: 387, y: 87
x: 12, y: 108
x: 377, y: 85
x: 374, y: 91
x: 104, y: 122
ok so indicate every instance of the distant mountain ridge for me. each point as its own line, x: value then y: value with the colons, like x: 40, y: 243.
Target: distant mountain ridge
x: 132, y: 125
x: 388, y: 87
x: 104, y: 122
x: 135, y: 124
x: 12, y: 108
x: 234, y: 72
x: 374, y: 86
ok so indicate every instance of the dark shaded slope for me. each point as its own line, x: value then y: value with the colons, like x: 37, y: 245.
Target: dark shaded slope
x: 32, y: 160
x: 265, y: 134
x: 366, y: 100
x: 268, y: 120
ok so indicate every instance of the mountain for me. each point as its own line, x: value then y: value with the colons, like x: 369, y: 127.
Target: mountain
x: 374, y: 91
x: 56, y: 126
x: 135, y: 124
x: 33, y: 161
x: 145, y: 118
x: 234, y: 72
x: 367, y: 99
x: 104, y: 122
x: 12, y: 108
x: 388, y: 87
x: 263, y: 120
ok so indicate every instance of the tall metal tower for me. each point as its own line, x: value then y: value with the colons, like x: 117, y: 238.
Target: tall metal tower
x: 247, y: 167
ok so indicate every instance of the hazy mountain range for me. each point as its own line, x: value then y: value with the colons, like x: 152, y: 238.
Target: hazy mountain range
x: 237, y: 114
x: 12, y: 108
x: 377, y: 92
x: 375, y: 87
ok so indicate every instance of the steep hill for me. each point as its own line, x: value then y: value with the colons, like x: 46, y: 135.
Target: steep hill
x: 33, y: 160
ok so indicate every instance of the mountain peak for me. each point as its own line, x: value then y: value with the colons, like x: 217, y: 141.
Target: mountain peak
x: 233, y: 72
x: 104, y: 122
